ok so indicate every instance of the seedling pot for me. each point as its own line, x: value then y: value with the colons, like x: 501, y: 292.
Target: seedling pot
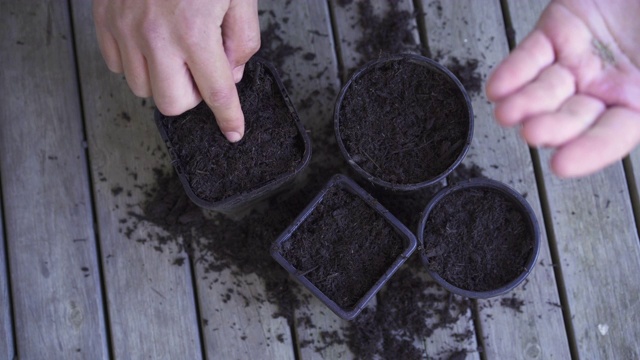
x: 227, y: 177
x: 403, y: 122
x: 344, y: 246
x: 478, y: 238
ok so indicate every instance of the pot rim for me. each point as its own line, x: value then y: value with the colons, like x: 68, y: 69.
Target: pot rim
x: 519, y: 200
x: 409, y: 246
x: 418, y: 59
x: 240, y: 201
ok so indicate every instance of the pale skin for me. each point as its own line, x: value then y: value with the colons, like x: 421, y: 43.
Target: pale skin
x: 181, y: 52
x: 573, y: 84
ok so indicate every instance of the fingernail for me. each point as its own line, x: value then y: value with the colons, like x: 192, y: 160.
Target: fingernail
x: 233, y: 136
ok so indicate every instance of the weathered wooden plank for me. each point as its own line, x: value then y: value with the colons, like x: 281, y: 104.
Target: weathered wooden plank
x: 350, y: 31
x: 597, y: 246
x: 7, y: 350
x: 348, y: 26
x: 240, y: 326
x: 54, y: 272
x: 151, y: 303
x: 632, y: 171
x: 310, y: 68
x: 311, y: 76
x: 471, y: 30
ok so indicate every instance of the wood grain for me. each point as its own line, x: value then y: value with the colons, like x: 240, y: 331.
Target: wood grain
x: 240, y: 325
x: 469, y: 30
x: 311, y: 74
x: 152, y: 308
x: 597, y: 245
x: 349, y: 33
x: 7, y: 350
x: 55, y: 277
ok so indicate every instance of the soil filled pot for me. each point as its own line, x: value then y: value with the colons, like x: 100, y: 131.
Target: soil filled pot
x: 403, y: 122
x: 228, y: 177
x: 344, y: 246
x: 479, y: 238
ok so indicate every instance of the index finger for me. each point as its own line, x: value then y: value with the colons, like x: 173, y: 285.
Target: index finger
x: 213, y: 76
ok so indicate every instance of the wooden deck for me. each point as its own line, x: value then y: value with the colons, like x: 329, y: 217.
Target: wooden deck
x: 74, y: 285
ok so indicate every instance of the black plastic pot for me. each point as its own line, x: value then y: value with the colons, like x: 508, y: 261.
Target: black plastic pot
x: 306, y: 232
x: 414, y: 107
x: 246, y: 197
x: 520, y: 220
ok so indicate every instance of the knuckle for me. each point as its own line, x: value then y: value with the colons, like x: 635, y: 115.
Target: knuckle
x: 253, y: 44
x: 191, y: 34
x: 221, y: 96
x: 249, y: 47
x: 154, y: 34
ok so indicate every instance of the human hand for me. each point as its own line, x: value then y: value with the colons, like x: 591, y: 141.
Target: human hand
x: 181, y: 52
x: 573, y: 84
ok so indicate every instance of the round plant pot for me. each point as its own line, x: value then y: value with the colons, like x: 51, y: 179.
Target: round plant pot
x: 344, y: 246
x: 403, y: 122
x: 228, y: 177
x: 479, y: 238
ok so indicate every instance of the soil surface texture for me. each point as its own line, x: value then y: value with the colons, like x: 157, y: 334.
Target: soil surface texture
x: 403, y: 122
x: 477, y: 239
x: 271, y: 147
x: 343, y: 247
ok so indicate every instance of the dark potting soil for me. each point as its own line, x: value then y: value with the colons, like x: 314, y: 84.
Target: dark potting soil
x: 403, y: 122
x: 343, y: 247
x: 271, y: 147
x: 477, y: 240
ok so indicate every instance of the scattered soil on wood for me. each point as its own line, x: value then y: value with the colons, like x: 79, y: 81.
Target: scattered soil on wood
x: 220, y: 244
x: 343, y: 247
x: 410, y: 306
x: 275, y: 48
x: 465, y: 172
x: 512, y: 303
x: 217, y: 243
x: 271, y: 148
x: 477, y: 239
x: 468, y: 74
x: 391, y: 32
x: 408, y: 310
x: 403, y: 122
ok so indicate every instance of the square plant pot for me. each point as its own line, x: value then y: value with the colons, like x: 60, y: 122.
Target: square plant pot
x: 344, y: 246
x: 403, y: 122
x: 478, y: 238
x: 230, y: 177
